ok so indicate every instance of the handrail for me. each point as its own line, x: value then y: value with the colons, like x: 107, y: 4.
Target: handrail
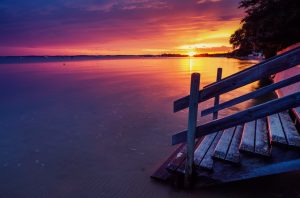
x: 254, y: 94
x: 284, y: 51
x: 262, y: 70
x: 256, y: 112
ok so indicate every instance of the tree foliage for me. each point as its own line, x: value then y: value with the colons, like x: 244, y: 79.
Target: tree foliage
x: 269, y: 26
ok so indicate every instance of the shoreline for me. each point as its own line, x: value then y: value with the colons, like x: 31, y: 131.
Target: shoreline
x: 46, y: 59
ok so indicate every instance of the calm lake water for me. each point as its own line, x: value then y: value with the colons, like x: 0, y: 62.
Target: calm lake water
x: 98, y: 128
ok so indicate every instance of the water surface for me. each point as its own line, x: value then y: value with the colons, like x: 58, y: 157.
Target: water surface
x: 97, y: 128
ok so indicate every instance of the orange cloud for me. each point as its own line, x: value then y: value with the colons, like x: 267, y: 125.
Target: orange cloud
x: 117, y: 27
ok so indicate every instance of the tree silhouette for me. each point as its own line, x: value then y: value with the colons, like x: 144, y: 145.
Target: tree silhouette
x: 269, y: 26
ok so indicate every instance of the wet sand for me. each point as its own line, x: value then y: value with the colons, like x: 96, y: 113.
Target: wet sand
x: 99, y: 128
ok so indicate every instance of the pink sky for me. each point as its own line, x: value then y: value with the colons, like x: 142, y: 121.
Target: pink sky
x: 71, y: 27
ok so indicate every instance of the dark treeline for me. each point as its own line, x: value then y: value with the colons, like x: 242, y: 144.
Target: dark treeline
x: 269, y: 26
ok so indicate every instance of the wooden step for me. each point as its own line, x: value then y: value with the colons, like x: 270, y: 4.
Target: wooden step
x: 224, y: 143
x: 203, y: 148
x: 177, y: 160
x: 228, y: 146
x: 255, y: 138
x: 276, y: 130
x: 283, y: 129
x: 262, y: 140
x: 162, y: 173
x: 247, y: 142
x: 177, y: 163
x: 291, y: 133
x: 233, y: 154
x: 204, y: 152
x: 207, y: 162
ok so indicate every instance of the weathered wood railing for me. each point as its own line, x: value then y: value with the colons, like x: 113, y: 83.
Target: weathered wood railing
x: 262, y: 70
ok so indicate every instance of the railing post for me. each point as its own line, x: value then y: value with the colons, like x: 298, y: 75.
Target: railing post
x: 192, y: 122
x: 217, y: 98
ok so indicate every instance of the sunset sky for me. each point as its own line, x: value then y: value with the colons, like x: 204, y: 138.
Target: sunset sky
x: 96, y: 27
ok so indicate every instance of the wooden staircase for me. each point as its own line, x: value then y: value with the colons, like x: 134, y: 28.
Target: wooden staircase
x: 242, y: 152
x: 259, y: 141
x: 255, y: 137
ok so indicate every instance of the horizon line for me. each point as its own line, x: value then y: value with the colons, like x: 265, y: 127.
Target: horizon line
x: 163, y: 54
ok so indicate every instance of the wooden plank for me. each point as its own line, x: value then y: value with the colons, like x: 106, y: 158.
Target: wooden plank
x: 248, y: 137
x: 262, y: 142
x: 192, y: 123
x: 276, y: 130
x: 296, y: 112
x: 256, y: 112
x: 248, y: 164
x: 177, y: 165
x: 254, y: 94
x: 262, y: 70
x: 277, y: 168
x: 177, y: 159
x: 161, y: 173
x: 233, y: 154
x: 269, y: 169
x: 290, y: 130
x: 207, y: 161
x: 224, y: 143
x: 203, y: 148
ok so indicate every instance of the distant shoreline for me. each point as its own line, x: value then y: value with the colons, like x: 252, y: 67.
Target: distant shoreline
x: 37, y: 59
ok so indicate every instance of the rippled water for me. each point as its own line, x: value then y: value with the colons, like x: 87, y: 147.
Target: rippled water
x: 96, y: 128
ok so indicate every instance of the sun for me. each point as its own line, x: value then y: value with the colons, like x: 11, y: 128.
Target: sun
x: 191, y: 54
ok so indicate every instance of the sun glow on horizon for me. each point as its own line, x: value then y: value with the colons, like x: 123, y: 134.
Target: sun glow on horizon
x: 191, y: 54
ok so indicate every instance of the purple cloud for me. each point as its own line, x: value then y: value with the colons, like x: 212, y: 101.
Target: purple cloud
x: 90, y: 24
